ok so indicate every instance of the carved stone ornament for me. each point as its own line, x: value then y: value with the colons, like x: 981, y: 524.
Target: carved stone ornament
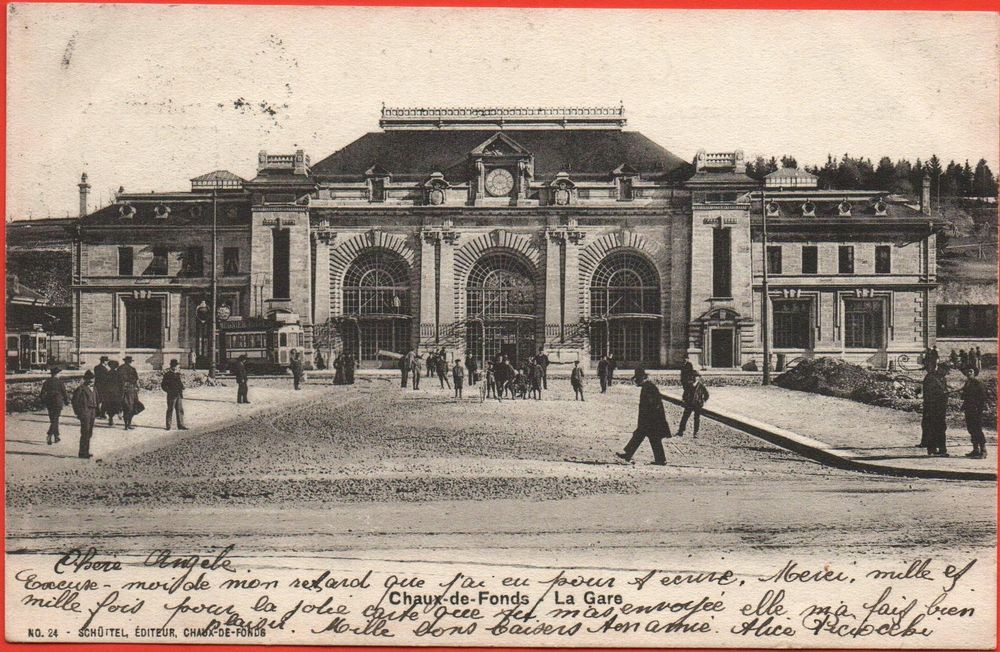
x: 435, y: 196
x: 562, y: 196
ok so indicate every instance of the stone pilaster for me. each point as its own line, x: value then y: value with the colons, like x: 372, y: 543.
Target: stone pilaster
x: 572, y: 300
x: 554, y: 240
x: 322, y: 308
x: 428, y: 287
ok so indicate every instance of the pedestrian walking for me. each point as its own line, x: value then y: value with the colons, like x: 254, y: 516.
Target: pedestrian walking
x: 935, y: 407
x: 338, y: 374
x: 350, y: 364
x: 612, y: 366
x: 131, y: 405
x: 500, y: 377
x: 963, y: 359
x: 442, y: 371
x: 405, y: 364
x: 688, y: 374
x: 112, y: 396
x: 576, y: 380
x: 973, y: 403
x: 54, y: 397
x: 535, y: 379
x: 418, y: 370
x: 978, y: 360
x: 543, y: 360
x: 432, y: 364
x: 295, y: 364
x: 242, y: 379
x: 458, y: 375
x: 695, y: 395
x: 85, y: 408
x: 652, y: 422
x: 930, y: 358
x: 473, y: 367
x: 102, y: 371
x: 173, y: 385
x: 602, y: 373
x: 491, y: 381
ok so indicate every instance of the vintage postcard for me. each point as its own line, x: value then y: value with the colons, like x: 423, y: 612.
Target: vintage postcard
x: 501, y: 327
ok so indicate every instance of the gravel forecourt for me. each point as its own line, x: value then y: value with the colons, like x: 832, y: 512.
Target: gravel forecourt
x: 378, y: 470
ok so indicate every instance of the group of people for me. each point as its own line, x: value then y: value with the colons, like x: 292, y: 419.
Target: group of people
x: 502, y: 377
x: 524, y: 380
x: 935, y: 392
x: 606, y: 371
x: 344, y: 366
x: 652, y: 423
x: 108, y: 390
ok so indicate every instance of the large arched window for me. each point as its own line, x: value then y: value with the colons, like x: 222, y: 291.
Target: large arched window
x: 377, y: 300
x: 625, y: 307
x: 624, y: 283
x: 500, y: 307
x: 500, y: 284
x: 377, y: 283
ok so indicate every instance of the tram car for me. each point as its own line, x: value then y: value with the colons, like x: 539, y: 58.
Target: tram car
x: 267, y: 343
x: 27, y: 350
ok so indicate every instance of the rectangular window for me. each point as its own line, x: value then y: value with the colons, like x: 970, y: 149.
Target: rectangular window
x: 158, y: 266
x: 863, y: 322
x: 774, y: 260
x: 845, y: 260
x: 792, y: 325
x: 625, y: 189
x: 722, y: 263
x: 810, y: 259
x: 143, y: 324
x: 125, y: 261
x: 230, y: 261
x: 967, y: 321
x: 194, y: 262
x: 378, y: 190
x: 280, y: 263
x: 883, y: 259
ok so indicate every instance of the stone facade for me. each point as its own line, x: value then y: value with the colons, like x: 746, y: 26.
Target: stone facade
x: 504, y: 231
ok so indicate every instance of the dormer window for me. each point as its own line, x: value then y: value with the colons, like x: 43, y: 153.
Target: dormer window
x: 127, y: 211
x: 808, y: 209
x: 771, y: 209
x: 161, y: 212
x: 844, y: 209
x: 377, y: 178
x: 625, y: 178
x: 880, y: 208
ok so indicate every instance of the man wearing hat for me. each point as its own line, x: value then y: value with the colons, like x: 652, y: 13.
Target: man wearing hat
x: 54, y: 396
x: 296, y: 366
x: 174, y: 387
x: 101, y: 385
x: 652, y: 420
x: 85, y: 408
x: 240, y: 371
x: 130, y: 392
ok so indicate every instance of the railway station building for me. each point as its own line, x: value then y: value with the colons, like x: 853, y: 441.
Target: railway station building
x: 488, y: 231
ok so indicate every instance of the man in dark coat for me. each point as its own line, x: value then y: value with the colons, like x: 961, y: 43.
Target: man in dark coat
x: 576, y: 380
x: 85, y: 408
x: 473, y: 367
x: 602, y: 373
x: 54, y: 396
x: 349, y: 365
x: 652, y: 422
x: 442, y: 371
x: 242, y: 378
x: 405, y: 366
x: 501, y: 376
x: 130, y: 391
x: 295, y: 364
x: 934, y: 425
x: 174, y: 387
x: 101, y: 385
x: 612, y: 365
x: 695, y: 396
x: 543, y: 360
x: 688, y: 374
x: 973, y: 402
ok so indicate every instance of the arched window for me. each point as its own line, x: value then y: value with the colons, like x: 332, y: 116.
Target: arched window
x: 377, y: 283
x: 624, y: 283
x: 500, y: 284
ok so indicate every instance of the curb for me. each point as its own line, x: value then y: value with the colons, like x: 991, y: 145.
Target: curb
x: 819, y: 452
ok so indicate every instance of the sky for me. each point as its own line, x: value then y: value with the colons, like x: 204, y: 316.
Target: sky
x: 146, y: 97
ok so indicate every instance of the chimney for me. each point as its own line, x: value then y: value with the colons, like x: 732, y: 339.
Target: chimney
x: 925, y: 196
x: 84, y: 191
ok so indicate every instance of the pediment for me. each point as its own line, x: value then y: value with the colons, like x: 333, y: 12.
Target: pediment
x: 625, y: 170
x: 376, y: 170
x: 500, y: 144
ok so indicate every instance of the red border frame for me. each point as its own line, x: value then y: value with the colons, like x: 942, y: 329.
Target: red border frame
x: 992, y: 6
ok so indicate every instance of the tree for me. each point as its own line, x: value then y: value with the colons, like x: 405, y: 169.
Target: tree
x: 788, y: 161
x: 983, y: 182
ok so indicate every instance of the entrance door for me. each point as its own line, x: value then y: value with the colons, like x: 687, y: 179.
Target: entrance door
x: 722, y: 347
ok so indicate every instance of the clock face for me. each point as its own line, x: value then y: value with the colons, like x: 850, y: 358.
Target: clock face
x: 499, y: 182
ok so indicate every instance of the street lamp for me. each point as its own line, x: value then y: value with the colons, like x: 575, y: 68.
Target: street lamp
x: 215, y: 285
x: 766, y: 299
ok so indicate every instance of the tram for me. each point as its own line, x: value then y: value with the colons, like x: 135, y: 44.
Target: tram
x: 266, y: 342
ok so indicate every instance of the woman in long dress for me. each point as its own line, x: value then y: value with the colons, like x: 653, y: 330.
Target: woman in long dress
x: 113, y: 405
x: 338, y: 364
